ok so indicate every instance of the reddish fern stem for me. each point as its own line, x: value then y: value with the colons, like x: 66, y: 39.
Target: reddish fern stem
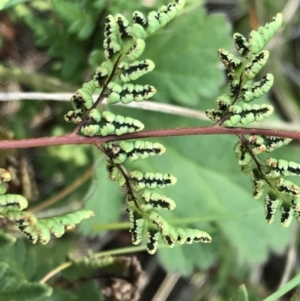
x: 207, y: 130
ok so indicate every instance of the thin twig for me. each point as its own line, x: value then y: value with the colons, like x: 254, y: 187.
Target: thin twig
x: 78, y: 182
x: 287, y: 287
x: 145, y: 105
x: 290, y: 10
x: 166, y: 287
x: 41, y: 96
x: 182, y: 221
x: 115, y: 252
x: 253, y: 18
x: 52, y: 273
x: 59, y: 210
x: 290, y: 259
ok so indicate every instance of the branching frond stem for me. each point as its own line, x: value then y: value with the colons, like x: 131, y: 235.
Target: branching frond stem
x: 100, y: 98
x: 128, y: 186
x: 189, y: 131
x: 255, y: 159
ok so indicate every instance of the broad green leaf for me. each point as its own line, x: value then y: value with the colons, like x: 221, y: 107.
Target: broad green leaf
x: 20, y: 252
x: 31, y: 262
x: 104, y: 199
x: 186, y: 60
x: 3, y: 267
x: 50, y: 256
x: 175, y: 260
x: 6, y: 240
x: 12, y: 287
x: 30, y: 265
x: 241, y: 294
x: 5, y: 4
x: 61, y: 295
x: 115, y: 7
x: 180, y: 259
x: 13, y: 258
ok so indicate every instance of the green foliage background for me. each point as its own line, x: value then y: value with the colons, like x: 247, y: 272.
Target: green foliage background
x: 210, y: 189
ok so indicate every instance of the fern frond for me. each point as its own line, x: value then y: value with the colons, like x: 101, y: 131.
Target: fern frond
x: 240, y: 71
x: 259, y: 38
x: 12, y: 202
x: 151, y: 180
x: 119, y: 152
x: 90, y: 262
x: 123, y: 44
x: 59, y: 224
x: 12, y: 206
x: 283, y: 194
